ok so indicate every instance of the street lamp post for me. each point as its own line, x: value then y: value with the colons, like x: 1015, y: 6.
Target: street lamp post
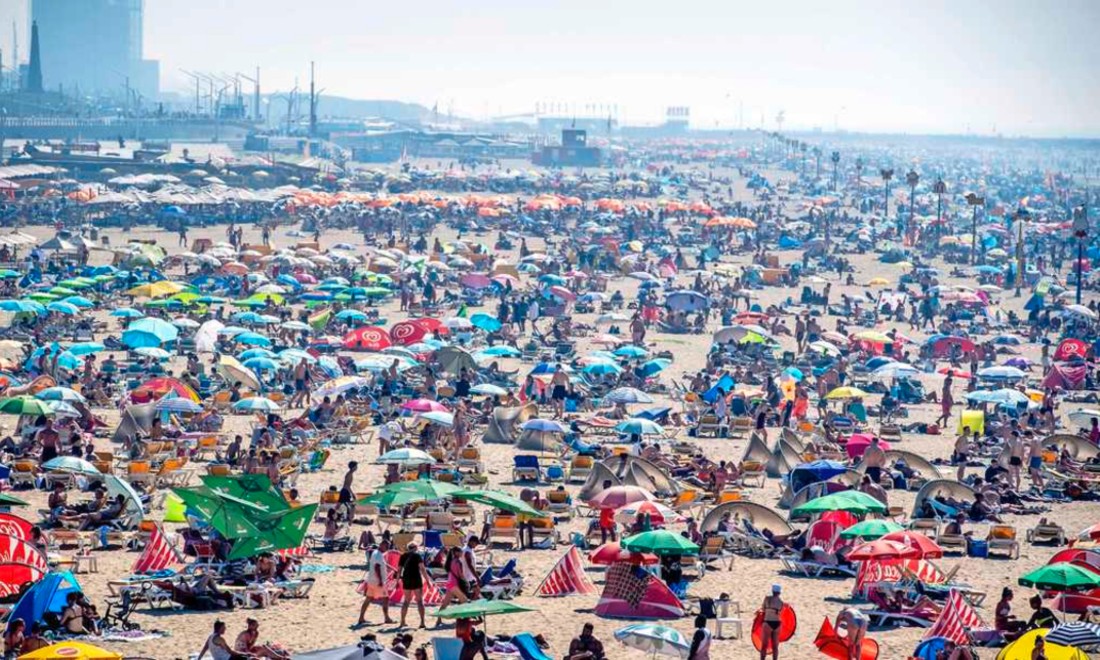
x: 886, y: 174
x: 975, y: 203
x: 1021, y: 218
x: 835, y: 157
x: 3, y: 131
x: 1080, y: 230
x: 912, y: 179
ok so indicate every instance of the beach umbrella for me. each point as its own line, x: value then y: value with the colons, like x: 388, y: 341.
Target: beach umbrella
x: 158, y: 387
x: 25, y: 405
x: 488, y: 389
x: 658, y: 513
x: 71, y: 651
x: 127, y: 313
x: 340, y: 385
x: 617, y: 497
x: 485, y: 322
x: 631, y: 351
x: 252, y: 339
x: 350, y: 315
x: 22, y: 306
x: 873, y: 336
x: 544, y: 426
x: 1081, y: 310
x: 895, y: 370
x: 612, y: 553
x: 654, y: 367
x: 500, y: 500
x: 1004, y: 397
x: 159, y: 328
x: 178, y: 404
x: 852, y: 501
x: 500, y: 350
x: 118, y: 486
x: 1060, y: 577
x: 405, y: 456
x: 655, y: 639
x: 408, y: 492
x: 627, y: 395
x: 638, y: 426
x: 153, y: 352
x: 71, y: 464
x: 277, y: 531
x: 602, y: 369
x: 883, y: 549
x: 481, y: 608
x: 369, y: 338
x: 1001, y: 373
x: 297, y: 326
x: 870, y: 530
x: 927, y: 548
x: 186, y: 323
x: 825, y: 348
x: 156, y: 289
x: 423, y: 406
x: 79, y: 301
x: 61, y: 394
x: 256, y: 489
x: 256, y: 404
x: 438, y: 417
x: 256, y: 353
x: 846, y: 392
x: 1077, y: 633
x: 259, y: 364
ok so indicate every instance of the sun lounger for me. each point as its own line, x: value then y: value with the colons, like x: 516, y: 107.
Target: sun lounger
x: 1047, y: 533
x: 528, y: 647
x: 814, y: 569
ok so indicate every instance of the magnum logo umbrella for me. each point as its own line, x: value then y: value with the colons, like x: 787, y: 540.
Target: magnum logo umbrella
x: 252, y: 519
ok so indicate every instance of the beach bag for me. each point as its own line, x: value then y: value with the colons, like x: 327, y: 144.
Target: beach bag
x: 976, y: 548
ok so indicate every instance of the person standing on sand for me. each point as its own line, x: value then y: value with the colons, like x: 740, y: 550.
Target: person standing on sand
x: 413, y: 577
x: 1035, y: 461
x: 375, y: 584
x: 771, y: 608
x: 946, y: 401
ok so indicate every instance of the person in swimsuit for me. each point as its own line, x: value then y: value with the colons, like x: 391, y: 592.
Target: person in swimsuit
x: 700, y: 641
x: 413, y: 578
x: 559, y: 390
x: 855, y: 623
x: 962, y: 453
x: 772, y: 606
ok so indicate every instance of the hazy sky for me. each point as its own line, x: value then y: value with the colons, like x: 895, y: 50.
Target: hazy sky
x: 1024, y: 66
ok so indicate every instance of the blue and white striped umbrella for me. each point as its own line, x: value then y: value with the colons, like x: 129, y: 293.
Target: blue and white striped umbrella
x: 61, y: 394
x: 655, y: 639
x: 178, y: 404
x: 1078, y: 634
x: 256, y: 403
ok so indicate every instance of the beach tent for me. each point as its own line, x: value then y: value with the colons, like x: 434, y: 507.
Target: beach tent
x: 941, y: 488
x: 541, y: 441
x: 833, y: 645
x: 784, y: 457
x: 567, y: 577
x: 757, y: 450
x: 844, y: 480
x: 630, y: 592
x: 595, y: 482
x: 793, y: 440
x: 1079, y: 448
x: 46, y: 596
x: 136, y: 420
x: 758, y: 515
x: 396, y: 594
x: 505, y: 421
x: 957, y: 620
x: 206, y: 337
x: 638, y: 471
x: 1065, y: 377
x: 914, y: 461
x: 454, y: 359
x: 1022, y: 647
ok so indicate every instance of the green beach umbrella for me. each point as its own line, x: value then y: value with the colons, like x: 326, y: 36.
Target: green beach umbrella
x: 62, y: 291
x: 852, y: 501
x: 660, y: 542
x: 230, y: 516
x: 25, y: 405
x: 499, y: 500
x: 42, y: 296
x: 1060, y: 577
x: 481, y: 607
x: 11, y: 500
x: 253, y: 488
x: 273, y: 532
x: 870, y: 530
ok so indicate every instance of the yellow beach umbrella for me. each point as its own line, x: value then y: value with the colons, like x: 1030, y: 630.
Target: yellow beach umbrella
x: 1021, y: 649
x: 71, y: 651
x: 846, y: 393
x: 156, y: 289
x: 873, y: 336
x: 879, y: 281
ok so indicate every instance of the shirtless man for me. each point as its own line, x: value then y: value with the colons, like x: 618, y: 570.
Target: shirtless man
x: 559, y: 388
x: 1035, y: 461
x: 301, y: 384
x: 962, y: 452
x: 1015, y: 449
x: 347, y: 493
x: 875, y: 459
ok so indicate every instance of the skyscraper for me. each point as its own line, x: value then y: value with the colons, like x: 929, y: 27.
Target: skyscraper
x: 94, y: 47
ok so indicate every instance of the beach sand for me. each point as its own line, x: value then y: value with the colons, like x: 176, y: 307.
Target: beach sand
x: 324, y: 619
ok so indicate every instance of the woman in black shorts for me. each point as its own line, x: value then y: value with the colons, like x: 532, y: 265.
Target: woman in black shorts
x: 413, y: 577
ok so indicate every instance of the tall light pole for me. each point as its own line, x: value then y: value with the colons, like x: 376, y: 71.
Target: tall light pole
x: 1080, y: 230
x: 835, y: 157
x: 939, y: 187
x: 3, y: 131
x: 1021, y: 218
x: 912, y: 178
x: 975, y: 203
x: 886, y: 174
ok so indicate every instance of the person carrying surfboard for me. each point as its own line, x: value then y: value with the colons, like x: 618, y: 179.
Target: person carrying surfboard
x: 773, y: 605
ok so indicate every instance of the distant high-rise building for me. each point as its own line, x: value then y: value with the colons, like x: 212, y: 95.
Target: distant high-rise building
x: 94, y: 47
x: 34, y: 67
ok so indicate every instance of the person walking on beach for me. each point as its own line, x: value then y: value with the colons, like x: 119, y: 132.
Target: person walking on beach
x: 773, y: 605
x: 946, y: 401
x: 375, y: 585
x: 413, y: 576
x: 347, y: 493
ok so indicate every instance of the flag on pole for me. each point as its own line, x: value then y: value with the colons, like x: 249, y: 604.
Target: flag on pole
x: 159, y: 553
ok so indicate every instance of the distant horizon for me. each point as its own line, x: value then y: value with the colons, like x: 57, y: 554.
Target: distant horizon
x: 977, y: 68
